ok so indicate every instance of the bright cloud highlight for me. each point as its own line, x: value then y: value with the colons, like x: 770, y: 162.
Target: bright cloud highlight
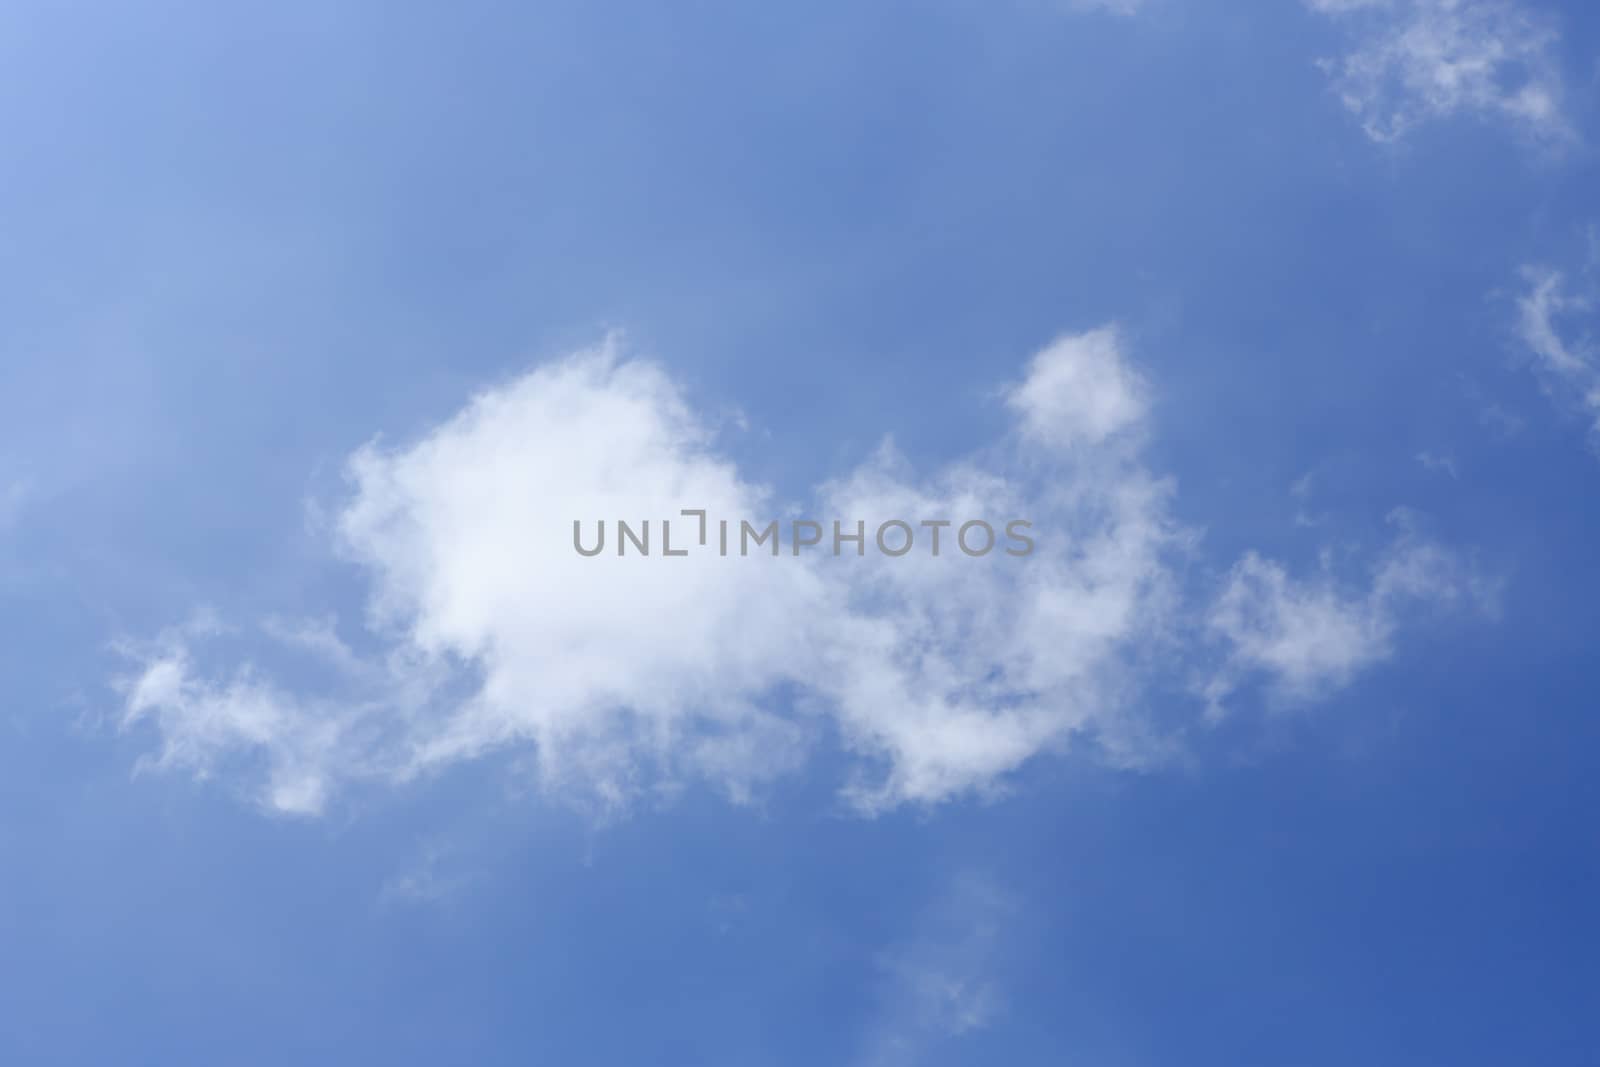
x: 625, y: 675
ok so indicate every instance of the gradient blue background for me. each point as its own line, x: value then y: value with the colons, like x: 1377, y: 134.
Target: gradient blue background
x: 237, y: 241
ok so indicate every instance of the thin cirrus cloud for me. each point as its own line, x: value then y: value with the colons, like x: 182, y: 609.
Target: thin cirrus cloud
x: 1418, y: 60
x: 942, y: 983
x: 1566, y: 358
x: 621, y: 677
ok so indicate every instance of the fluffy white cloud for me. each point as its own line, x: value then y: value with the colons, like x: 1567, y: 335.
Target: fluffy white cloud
x: 1570, y: 365
x: 626, y: 674
x: 1417, y: 60
x: 1079, y: 390
x: 606, y: 663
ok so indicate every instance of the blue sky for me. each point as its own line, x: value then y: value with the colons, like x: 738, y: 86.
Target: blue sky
x: 322, y: 323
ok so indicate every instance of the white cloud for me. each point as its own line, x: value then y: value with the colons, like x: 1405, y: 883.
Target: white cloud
x: 1308, y: 636
x: 1417, y: 60
x: 606, y: 664
x: 1079, y: 391
x: 623, y: 676
x: 959, y: 674
x: 245, y: 727
x: 1570, y: 365
x: 201, y: 722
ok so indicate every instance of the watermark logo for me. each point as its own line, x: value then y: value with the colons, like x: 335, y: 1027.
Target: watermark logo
x: 894, y: 538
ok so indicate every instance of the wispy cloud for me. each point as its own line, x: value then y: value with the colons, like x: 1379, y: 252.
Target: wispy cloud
x: 945, y: 981
x: 1438, y: 461
x: 1418, y: 60
x: 1567, y: 357
x: 435, y: 878
x: 1307, y: 636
